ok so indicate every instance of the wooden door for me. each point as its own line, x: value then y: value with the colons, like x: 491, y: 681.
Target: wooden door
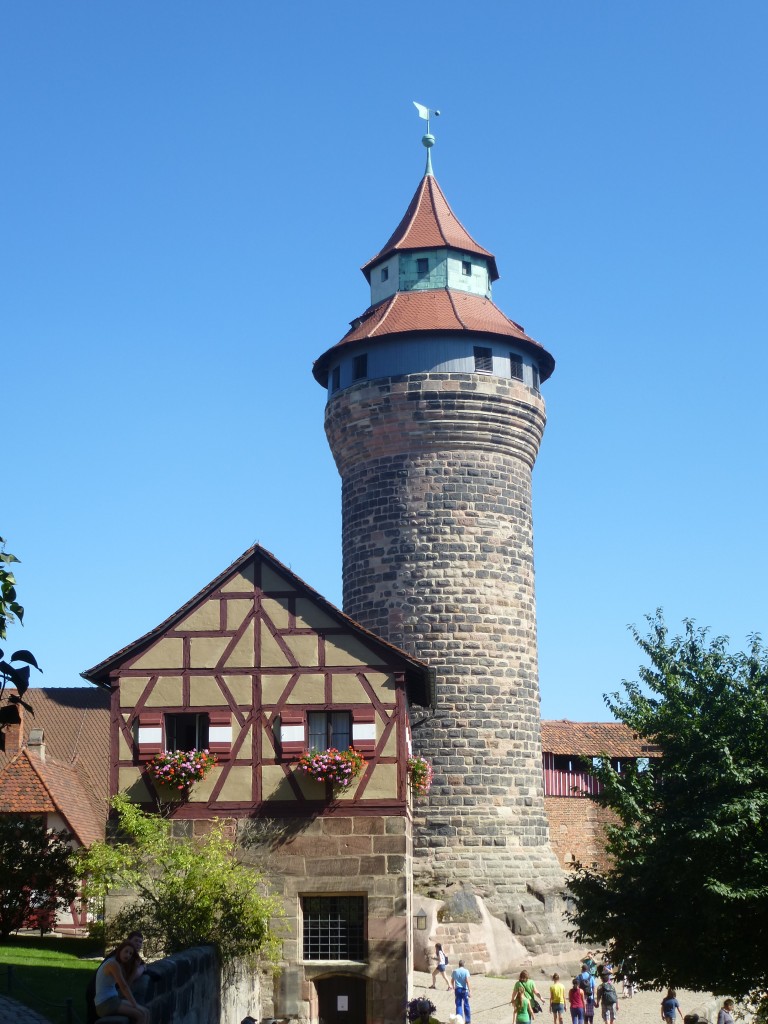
x: 341, y: 1000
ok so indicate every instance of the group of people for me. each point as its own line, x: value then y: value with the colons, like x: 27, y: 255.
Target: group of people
x: 120, y: 982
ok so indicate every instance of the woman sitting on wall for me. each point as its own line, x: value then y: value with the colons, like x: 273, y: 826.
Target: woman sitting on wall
x: 113, y: 993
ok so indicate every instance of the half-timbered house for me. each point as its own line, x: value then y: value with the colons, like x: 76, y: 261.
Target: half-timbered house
x: 259, y: 668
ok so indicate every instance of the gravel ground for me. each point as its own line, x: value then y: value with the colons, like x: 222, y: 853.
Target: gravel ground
x: 491, y: 996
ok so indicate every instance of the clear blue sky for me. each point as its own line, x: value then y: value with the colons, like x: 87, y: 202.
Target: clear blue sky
x: 189, y: 190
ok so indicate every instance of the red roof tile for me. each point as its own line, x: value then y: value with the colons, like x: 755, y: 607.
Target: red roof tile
x: 22, y: 791
x: 430, y: 223
x: 440, y: 309
x: 592, y: 739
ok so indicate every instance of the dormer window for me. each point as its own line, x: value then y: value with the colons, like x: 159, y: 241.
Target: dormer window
x: 466, y: 268
x: 483, y: 360
x: 385, y: 273
x: 422, y: 266
x: 360, y: 367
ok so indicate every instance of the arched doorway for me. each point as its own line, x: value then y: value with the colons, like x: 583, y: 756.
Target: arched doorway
x: 341, y: 999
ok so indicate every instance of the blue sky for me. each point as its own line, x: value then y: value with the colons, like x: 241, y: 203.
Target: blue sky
x: 189, y: 190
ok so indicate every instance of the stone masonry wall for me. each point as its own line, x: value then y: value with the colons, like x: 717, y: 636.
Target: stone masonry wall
x: 438, y: 559
x: 367, y: 855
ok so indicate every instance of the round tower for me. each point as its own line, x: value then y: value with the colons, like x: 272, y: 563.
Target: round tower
x: 434, y: 418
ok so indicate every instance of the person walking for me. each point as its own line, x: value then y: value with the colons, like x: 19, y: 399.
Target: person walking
x: 521, y: 1001
x: 442, y: 963
x: 608, y: 998
x: 725, y: 1016
x: 668, y: 1006
x: 557, y: 999
x: 576, y: 1002
x: 461, y: 991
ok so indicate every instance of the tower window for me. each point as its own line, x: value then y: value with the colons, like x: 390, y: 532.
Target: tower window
x: 334, y: 927
x: 385, y: 273
x: 536, y: 378
x: 483, y: 360
x: 466, y: 268
x: 515, y: 366
x: 360, y: 367
x: 422, y: 265
x: 335, y: 379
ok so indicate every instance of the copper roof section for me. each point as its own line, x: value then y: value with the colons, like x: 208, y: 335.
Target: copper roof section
x: 442, y: 310
x: 419, y: 676
x: 594, y: 739
x: 430, y: 223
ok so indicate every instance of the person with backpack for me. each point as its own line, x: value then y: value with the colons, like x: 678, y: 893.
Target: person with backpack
x: 668, y: 1006
x: 576, y: 1002
x: 442, y: 963
x: 608, y: 998
x: 586, y: 982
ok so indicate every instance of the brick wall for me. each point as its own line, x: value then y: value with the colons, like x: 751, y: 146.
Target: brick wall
x: 577, y: 830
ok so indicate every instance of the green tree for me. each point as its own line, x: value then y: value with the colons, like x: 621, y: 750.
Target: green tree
x: 16, y: 676
x: 188, y: 892
x: 38, y: 871
x: 686, y: 895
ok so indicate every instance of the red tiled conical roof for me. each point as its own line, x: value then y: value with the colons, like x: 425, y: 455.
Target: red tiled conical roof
x: 440, y: 309
x: 430, y: 223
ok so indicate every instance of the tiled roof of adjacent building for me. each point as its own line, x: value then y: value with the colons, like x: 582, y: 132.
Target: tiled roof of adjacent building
x: 442, y: 310
x: 593, y: 739
x: 29, y: 785
x: 430, y: 223
x: 75, y: 724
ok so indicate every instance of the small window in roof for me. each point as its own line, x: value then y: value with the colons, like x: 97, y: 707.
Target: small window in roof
x: 384, y: 273
x: 422, y: 265
x: 483, y: 360
x: 360, y: 367
x: 516, y: 366
x: 466, y: 268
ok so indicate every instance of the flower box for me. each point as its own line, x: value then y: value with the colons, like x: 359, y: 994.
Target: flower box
x: 179, y: 769
x: 339, y: 767
x: 420, y: 775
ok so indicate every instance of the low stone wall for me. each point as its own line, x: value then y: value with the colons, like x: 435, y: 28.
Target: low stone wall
x: 186, y: 989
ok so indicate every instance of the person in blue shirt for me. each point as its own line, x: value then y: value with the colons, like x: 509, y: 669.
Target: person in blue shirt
x: 461, y: 992
x: 668, y: 1006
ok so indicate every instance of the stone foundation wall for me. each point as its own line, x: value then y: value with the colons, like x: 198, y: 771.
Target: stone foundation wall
x: 438, y: 559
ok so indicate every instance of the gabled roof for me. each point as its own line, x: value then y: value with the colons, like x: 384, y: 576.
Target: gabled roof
x: 75, y: 724
x: 593, y: 739
x: 29, y: 785
x: 419, y: 676
x: 440, y: 310
x: 430, y: 223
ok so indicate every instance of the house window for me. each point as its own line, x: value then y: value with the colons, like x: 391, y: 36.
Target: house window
x: 422, y: 266
x: 515, y: 366
x: 536, y: 378
x: 466, y: 268
x: 483, y: 360
x: 360, y: 367
x: 385, y: 273
x: 330, y: 729
x: 334, y: 927
x: 336, y: 378
x: 186, y: 732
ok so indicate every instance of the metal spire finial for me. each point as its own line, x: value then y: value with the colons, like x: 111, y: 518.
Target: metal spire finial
x: 427, y: 140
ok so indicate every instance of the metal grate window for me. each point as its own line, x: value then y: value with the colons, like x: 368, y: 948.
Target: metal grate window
x: 516, y: 366
x: 422, y: 265
x: 536, y: 378
x: 483, y: 360
x: 334, y: 927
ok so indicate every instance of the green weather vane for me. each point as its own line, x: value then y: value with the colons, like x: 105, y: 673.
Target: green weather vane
x: 427, y: 140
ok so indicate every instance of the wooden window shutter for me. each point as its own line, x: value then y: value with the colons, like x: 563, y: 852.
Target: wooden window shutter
x: 364, y: 730
x: 149, y: 737
x: 293, y: 732
x: 220, y: 733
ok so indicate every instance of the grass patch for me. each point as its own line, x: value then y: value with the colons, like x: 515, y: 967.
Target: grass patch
x: 47, y: 971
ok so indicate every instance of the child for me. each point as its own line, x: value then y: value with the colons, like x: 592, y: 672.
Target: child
x: 589, y: 1007
x: 557, y: 999
x: 576, y: 1002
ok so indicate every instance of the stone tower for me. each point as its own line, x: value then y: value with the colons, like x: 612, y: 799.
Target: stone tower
x: 434, y: 418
